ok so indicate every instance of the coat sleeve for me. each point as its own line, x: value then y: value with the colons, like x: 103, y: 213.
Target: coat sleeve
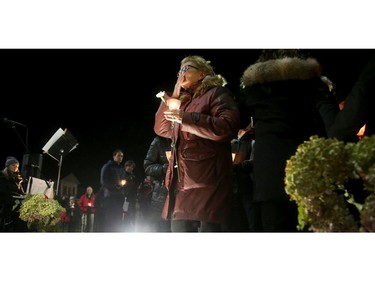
x: 162, y: 127
x: 221, y: 124
x: 154, y: 165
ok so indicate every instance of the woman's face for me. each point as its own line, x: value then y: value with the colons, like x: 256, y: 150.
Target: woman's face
x: 189, y: 75
x: 13, y: 167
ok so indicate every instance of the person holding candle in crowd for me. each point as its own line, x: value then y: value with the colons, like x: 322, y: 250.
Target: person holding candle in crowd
x: 155, y: 165
x: 358, y: 106
x: 86, y: 204
x: 111, y: 195
x: 199, y: 175
x: 244, y: 210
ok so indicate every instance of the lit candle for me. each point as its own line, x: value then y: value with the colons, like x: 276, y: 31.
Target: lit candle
x: 123, y: 182
x: 173, y: 104
x: 168, y: 154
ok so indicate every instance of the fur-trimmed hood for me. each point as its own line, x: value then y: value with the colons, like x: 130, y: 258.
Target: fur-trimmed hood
x: 280, y: 70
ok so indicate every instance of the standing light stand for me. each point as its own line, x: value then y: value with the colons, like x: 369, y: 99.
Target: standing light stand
x: 59, y: 171
x: 59, y: 145
x: 13, y: 125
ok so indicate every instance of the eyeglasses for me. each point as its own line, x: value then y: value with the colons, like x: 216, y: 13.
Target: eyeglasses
x: 185, y: 69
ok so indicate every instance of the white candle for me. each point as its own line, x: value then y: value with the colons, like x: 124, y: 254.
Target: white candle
x: 168, y: 154
x: 173, y: 104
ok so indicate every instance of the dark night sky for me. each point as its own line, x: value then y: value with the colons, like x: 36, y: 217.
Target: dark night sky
x: 106, y: 98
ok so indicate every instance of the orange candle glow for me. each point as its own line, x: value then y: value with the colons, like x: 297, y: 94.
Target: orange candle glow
x: 173, y: 104
x: 168, y: 153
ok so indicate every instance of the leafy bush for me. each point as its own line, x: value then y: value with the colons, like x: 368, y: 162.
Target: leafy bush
x: 322, y: 178
x: 41, y: 213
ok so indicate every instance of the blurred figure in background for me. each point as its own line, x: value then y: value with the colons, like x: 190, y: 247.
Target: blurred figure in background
x: 155, y: 165
x: 86, y: 204
x: 130, y: 191
x: 144, y: 196
x: 111, y: 195
x: 358, y: 107
x: 243, y: 213
x: 11, y: 190
x: 74, y: 214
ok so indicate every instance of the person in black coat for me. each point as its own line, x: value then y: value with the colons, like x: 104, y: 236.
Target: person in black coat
x: 356, y: 112
x: 11, y: 190
x: 155, y: 165
x: 358, y: 107
x: 110, y: 198
x: 283, y: 91
x: 130, y: 191
x: 242, y: 217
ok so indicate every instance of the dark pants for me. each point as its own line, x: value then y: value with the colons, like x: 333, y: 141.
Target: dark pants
x: 113, y: 214
x: 194, y: 226
x: 278, y: 216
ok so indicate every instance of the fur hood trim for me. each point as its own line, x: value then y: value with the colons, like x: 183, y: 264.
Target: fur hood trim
x: 280, y: 70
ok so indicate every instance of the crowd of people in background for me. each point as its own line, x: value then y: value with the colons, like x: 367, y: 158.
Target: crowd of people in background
x: 217, y: 163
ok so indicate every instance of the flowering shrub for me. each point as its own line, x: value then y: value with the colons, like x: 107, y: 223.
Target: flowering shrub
x: 41, y: 214
x: 320, y: 177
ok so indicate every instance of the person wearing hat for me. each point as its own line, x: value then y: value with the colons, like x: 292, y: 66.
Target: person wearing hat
x: 11, y: 179
x: 10, y: 190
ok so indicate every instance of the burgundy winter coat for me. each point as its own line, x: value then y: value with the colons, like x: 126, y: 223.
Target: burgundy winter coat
x: 209, y: 123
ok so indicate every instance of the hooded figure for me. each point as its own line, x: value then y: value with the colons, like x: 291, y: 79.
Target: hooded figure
x: 283, y: 92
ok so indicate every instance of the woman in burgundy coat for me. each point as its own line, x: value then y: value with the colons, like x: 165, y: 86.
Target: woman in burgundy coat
x: 199, y: 175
